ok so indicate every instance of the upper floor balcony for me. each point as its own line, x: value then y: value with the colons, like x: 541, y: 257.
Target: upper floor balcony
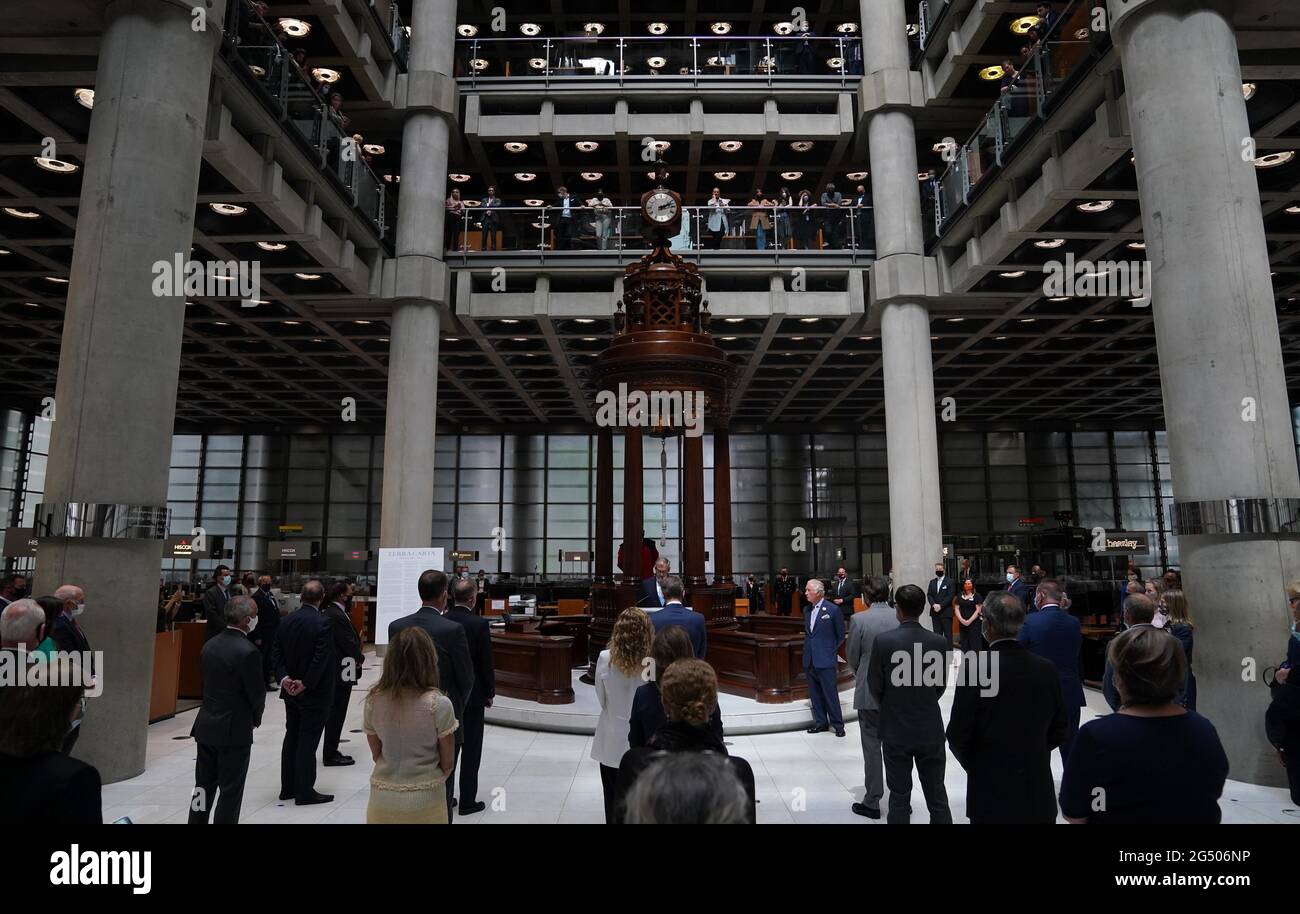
x: 487, y: 63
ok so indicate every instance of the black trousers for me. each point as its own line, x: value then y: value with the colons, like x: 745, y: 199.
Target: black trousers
x: 302, y: 731
x: 334, y: 723
x: 1292, y: 756
x: 942, y: 623
x: 265, y: 647
x: 930, y: 765
x: 472, y: 751
x: 219, y: 772
x: 608, y: 781
x: 1072, y: 720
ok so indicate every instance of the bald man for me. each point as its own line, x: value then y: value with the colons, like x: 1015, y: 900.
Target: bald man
x: 22, y: 625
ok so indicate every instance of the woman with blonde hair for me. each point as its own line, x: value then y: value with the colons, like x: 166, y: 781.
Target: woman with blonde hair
x: 618, y: 676
x: 409, y: 724
x: 1180, y: 625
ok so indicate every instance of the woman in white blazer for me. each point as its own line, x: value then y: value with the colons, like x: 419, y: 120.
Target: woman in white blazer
x: 618, y: 676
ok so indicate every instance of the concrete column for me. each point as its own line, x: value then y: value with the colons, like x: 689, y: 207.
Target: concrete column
x: 1224, y: 390
x: 120, y: 356
x: 915, y: 519
x: 406, y: 517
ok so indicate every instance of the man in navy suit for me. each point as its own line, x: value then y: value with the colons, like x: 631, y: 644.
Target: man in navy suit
x: 478, y: 631
x: 306, y: 667
x: 1018, y: 588
x: 674, y: 613
x: 1056, y: 635
x: 652, y: 588
x: 823, y: 630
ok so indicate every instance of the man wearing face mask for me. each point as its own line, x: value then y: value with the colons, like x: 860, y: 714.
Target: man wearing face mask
x: 268, y: 615
x: 1018, y: 588
x: 1055, y: 634
x: 941, y: 593
x: 69, y: 637
x: 234, y: 696
x: 12, y: 588
x: 214, y: 602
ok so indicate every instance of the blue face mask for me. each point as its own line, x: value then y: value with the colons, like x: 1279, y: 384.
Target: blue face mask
x: 1010, y: 577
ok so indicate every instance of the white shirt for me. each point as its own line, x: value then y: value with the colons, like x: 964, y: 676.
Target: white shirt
x: 816, y: 610
x: 614, y: 691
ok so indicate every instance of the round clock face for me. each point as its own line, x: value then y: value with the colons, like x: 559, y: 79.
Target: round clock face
x: 661, y: 207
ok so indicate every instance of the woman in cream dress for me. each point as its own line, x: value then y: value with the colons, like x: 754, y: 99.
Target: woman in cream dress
x: 409, y: 724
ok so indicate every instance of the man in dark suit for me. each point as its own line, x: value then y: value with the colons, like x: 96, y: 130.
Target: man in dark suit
x: 306, y: 668
x: 674, y: 613
x: 652, y: 588
x: 842, y: 593
x: 907, y: 675
x: 455, y: 668
x: 1018, y: 588
x: 823, y: 630
x: 562, y: 214
x: 864, y: 228
x: 941, y: 593
x: 783, y: 587
x: 1004, y: 727
x: 268, y: 623
x: 69, y: 637
x: 479, y: 633
x: 1053, y: 633
x: 214, y: 602
x: 347, y: 648
x: 234, y: 696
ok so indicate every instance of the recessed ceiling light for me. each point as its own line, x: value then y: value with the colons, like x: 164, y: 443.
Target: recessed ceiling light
x: 797, y: 339
x: 720, y: 28
x: 525, y: 176
x: 724, y: 175
x: 228, y: 209
x: 1097, y: 320
x: 519, y: 339
x: 801, y: 145
x: 807, y: 320
x: 257, y: 71
x: 467, y: 30
x: 308, y: 276
x: 537, y: 63
x: 57, y: 280
x: 1095, y: 206
x: 1136, y: 245
x: 291, y: 323
x: 478, y: 63
x: 589, y: 339
x: 592, y: 175
x: 856, y: 175
x: 509, y: 320
x: 783, y: 28
x: 1294, y: 210
x: 516, y: 146
x: 834, y: 62
x: 1022, y: 25
x: 792, y: 175
x: 1026, y: 320
x: 295, y: 28
x: 657, y: 28
x: 373, y: 148
x: 22, y: 213
x: 86, y: 97
x: 530, y: 28
x: 4, y: 253
x: 734, y: 320
x: 992, y: 73
x: 847, y: 28
x: 912, y: 30
x: 956, y: 320
x: 1248, y: 90
x: 999, y: 338
x: 1274, y: 159
x: 597, y: 27
x: 585, y: 320
x: 658, y: 145
x: 31, y: 304
x: 272, y: 245
x: 458, y: 178
x: 866, y: 339
x: 533, y: 201
x: 728, y: 339
x: 587, y: 145
x: 1081, y: 34
x: 452, y: 339
x: 730, y: 145
x: 56, y: 165
x: 656, y: 63
x: 1049, y: 242
x: 362, y: 323
x: 1059, y: 298
x: 258, y: 301
x: 327, y: 75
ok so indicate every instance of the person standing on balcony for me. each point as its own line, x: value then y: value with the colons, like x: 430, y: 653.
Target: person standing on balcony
x: 864, y: 230
x: 759, y: 220
x: 491, y: 221
x: 455, y: 219
x: 604, y: 218
x: 783, y: 203
x: 717, y: 218
x: 833, y: 220
x: 563, y: 218
x: 804, y: 228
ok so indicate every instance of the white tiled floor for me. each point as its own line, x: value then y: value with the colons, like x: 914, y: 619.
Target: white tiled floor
x: 530, y: 777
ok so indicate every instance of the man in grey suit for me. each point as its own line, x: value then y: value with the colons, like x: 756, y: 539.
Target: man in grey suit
x: 863, y: 629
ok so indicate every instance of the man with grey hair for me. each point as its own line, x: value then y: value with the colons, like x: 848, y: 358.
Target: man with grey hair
x: 675, y: 612
x: 652, y: 588
x: 1139, y: 612
x: 478, y: 632
x: 823, y: 630
x: 22, y: 625
x: 234, y: 696
x: 863, y: 629
x: 1003, y: 732
x: 69, y: 638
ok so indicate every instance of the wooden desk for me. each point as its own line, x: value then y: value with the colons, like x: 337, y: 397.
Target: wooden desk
x: 575, y: 627
x: 533, y: 666
x: 192, y: 635
x: 166, y: 675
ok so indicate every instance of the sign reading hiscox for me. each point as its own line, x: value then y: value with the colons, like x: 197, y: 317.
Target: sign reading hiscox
x: 653, y: 409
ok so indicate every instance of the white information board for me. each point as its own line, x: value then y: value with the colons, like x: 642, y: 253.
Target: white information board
x: 398, y: 591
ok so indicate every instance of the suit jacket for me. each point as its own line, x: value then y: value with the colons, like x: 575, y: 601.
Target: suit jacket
x: 648, y: 716
x: 455, y: 667
x: 909, y: 708
x: 304, y: 650
x: 478, y: 631
x: 1005, y: 741
x: 1055, y: 634
x: 689, y: 619
x: 782, y: 591
x: 942, y: 591
x: 214, y: 606
x: 863, y: 630
x: 822, y: 641
x: 268, y: 618
x: 847, y: 589
x: 234, y: 694
x: 347, y: 646
x: 68, y: 635
x: 49, y: 789
x: 649, y: 593
x: 1020, y: 589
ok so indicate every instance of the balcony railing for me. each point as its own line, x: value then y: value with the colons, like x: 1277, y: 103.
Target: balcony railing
x: 620, y: 60
x: 1027, y: 97
x: 297, y: 102
x: 763, y: 231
